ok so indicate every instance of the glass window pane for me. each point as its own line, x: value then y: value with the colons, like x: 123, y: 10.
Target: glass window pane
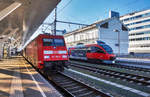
x: 59, y: 42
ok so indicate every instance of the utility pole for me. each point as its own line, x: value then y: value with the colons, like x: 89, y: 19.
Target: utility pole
x: 55, y: 21
x: 119, y: 43
x: 118, y: 40
x: 54, y: 24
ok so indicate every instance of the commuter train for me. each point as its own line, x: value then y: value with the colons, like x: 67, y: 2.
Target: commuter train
x: 47, y: 53
x: 92, y: 52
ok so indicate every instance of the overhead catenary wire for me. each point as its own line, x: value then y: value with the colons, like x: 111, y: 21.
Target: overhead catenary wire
x: 65, y: 6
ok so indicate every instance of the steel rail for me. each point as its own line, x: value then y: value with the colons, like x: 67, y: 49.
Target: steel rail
x: 76, y: 88
x: 130, y: 77
x: 72, y: 87
x: 120, y: 66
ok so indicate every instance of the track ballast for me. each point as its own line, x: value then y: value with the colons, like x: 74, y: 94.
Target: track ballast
x: 121, y: 75
x: 74, y: 87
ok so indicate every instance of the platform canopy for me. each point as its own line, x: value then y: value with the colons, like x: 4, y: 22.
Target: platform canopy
x: 19, y: 19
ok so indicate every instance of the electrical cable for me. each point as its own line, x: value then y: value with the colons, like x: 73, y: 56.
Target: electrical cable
x: 65, y: 6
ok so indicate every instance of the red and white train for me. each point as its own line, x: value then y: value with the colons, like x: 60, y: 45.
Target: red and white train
x: 93, y: 52
x: 47, y: 53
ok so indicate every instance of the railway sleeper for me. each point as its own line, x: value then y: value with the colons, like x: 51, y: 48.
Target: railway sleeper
x: 70, y: 85
x: 131, y: 81
x: 74, y: 88
x: 142, y: 79
x: 112, y: 77
x: 122, y: 75
x: 85, y: 94
x: 129, y: 76
x: 116, y: 73
x: 59, y: 80
x: 113, y: 73
x: 124, y: 79
x: 139, y: 83
x: 64, y: 83
x: 79, y: 90
x: 134, y: 77
x: 94, y: 95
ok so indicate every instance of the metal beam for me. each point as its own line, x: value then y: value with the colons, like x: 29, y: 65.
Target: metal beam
x: 5, y: 12
x: 15, y: 41
x: 6, y: 30
x: 47, y: 24
x: 10, y: 34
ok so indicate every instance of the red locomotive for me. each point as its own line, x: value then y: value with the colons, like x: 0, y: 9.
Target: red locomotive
x: 92, y: 52
x: 47, y: 53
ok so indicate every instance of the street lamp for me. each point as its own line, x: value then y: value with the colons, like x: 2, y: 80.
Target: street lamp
x: 118, y: 41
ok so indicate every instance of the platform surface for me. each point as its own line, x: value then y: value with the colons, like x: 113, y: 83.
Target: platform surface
x: 138, y: 62
x: 19, y: 79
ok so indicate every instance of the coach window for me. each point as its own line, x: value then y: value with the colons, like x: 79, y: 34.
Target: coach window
x: 88, y: 49
x: 93, y: 49
x: 47, y: 42
x: 99, y: 50
x: 96, y: 50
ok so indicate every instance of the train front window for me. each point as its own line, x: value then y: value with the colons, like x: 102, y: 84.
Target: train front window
x: 59, y: 42
x: 53, y: 42
x: 48, y: 42
x: 107, y: 48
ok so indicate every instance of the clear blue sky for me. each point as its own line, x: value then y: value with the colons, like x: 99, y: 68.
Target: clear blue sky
x: 89, y: 11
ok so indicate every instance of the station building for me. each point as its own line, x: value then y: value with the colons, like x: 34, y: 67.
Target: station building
x: 111, y: 31
x: 139, y: 30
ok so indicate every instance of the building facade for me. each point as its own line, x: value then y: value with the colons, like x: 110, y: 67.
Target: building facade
x: 111, y: 31
x: 139, y: 30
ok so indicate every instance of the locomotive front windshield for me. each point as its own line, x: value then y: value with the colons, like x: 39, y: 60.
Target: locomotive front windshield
x: 53, y: 42
x: 107, y: 48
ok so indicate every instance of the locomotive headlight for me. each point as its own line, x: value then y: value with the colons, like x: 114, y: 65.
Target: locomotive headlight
x: 46, y: 57
x: 64, y: 56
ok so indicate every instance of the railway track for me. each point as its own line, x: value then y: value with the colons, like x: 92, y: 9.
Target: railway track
x: 141, y: 80
x: 75, y: 88
x: 122, y: 66
x: 129, y: 67
x: 71, y: 87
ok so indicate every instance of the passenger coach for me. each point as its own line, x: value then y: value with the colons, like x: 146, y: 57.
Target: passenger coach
x: 93, y: 52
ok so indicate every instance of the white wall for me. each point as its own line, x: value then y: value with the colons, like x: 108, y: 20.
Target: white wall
x: 107, y: 35
x: 110, y: 36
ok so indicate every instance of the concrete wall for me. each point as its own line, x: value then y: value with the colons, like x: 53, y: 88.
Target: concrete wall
x: 110, y: 36
x: 88, y: 36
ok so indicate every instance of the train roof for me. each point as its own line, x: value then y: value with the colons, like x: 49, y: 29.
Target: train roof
x: 47, y: 34
x: 82, y: 46
x: 99, y: 42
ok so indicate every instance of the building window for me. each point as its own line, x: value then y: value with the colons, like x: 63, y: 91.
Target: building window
x: 140, y: 27
x: 148, y: 20
x: 105, y: 25
x: 139, y: 39
x: 124, y: 28
x: 136, y: 17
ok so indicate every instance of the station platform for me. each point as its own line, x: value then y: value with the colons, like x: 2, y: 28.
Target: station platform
x: 19, y: 79
x: 145, y: 63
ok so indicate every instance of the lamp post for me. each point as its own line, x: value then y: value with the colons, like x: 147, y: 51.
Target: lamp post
x: 118, y: 41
